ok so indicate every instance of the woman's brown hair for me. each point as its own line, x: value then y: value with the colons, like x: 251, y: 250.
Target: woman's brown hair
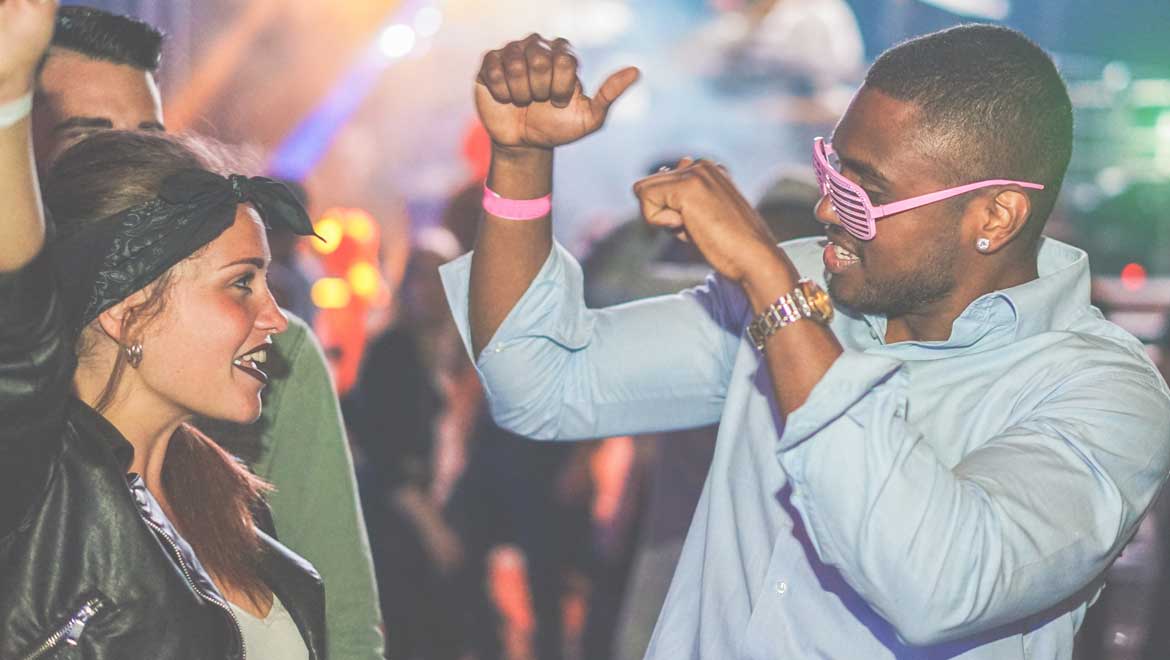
x: 211, y: 494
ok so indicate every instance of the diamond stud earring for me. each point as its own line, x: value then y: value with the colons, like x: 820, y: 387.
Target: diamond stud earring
x: 983, y: 244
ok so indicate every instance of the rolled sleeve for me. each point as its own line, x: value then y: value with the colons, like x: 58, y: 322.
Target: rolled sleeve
x: 847, y: 382
x: 558, y: 370
x: 544, y: 310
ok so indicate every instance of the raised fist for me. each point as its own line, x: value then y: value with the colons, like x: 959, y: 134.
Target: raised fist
x: 528, y: 95
x: 698, y: 202
x: 26, y: 26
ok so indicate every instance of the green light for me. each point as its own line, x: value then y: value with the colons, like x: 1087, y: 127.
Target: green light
x: 1162, y: 143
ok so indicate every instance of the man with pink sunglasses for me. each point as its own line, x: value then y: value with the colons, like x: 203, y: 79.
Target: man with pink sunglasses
x: 945, y: 466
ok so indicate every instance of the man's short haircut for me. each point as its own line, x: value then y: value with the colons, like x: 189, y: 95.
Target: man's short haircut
x: 101, y: 35
x: 992, y: 106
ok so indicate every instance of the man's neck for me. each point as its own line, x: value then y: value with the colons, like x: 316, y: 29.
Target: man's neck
x: 933, y: 322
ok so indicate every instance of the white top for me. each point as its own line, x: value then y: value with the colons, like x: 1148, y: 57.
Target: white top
x: 275, y: 637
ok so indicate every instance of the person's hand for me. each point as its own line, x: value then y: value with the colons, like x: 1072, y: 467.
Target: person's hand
x: 699, y: 203
x: 26, y: 26
x: 528, y: 95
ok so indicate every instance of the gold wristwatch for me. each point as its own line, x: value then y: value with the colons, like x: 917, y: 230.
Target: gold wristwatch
x: 806, y: 301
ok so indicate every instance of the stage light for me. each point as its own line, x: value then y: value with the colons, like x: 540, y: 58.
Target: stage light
x: 1133, y: 276
x: 427, y: 21
x: 363, y: 279
x: 359, y: 225
x: 330, y: 293
x: 1116, y: 76
x: 396, y: 40
x: 329, y: 228
x: 1162, y: 143
x: 1112, y: 180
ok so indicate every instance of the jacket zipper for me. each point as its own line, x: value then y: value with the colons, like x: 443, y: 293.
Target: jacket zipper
x: 71, y: 631
x: 206, y: 596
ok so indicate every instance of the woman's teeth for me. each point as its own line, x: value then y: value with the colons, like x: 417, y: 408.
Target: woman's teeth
x: 254, y: 358
x: 250, y: 364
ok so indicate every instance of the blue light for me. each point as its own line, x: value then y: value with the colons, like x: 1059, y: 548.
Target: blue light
x: 304, y: 147
x: 308, y: 142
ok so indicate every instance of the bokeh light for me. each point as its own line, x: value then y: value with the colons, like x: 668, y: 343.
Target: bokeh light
x: 397, y: 40
x: 1133, y: 276
x: 427, y: 21
x: 363, y: 279
x: 330, y: 230
x: 330, y: 293
x: 359, y: 225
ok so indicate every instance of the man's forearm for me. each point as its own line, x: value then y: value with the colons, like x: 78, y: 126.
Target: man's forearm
x: 509, y: 253
x: 799, y: 355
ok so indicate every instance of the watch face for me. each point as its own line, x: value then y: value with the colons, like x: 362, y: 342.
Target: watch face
x: 818, y: 299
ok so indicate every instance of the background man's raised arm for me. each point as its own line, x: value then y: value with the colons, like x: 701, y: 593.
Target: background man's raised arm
x: 25, y: 29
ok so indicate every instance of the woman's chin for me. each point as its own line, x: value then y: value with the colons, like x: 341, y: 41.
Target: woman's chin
x: 251, y: 414
x: 244, y: 412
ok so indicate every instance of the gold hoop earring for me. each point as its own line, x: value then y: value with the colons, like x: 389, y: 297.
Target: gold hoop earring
x: 133, y: 354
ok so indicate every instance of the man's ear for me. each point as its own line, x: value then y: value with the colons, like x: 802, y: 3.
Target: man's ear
x: 1002, y: 217
x: 115, y: 317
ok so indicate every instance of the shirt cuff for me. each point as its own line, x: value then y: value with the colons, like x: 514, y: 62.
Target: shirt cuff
x: 848, y: 381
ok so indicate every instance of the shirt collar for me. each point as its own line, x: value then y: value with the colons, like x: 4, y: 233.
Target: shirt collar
x: 1058, y: 296
x: 1051, y: 301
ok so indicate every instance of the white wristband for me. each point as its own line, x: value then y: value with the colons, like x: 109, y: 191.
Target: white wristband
x: 14, y: 111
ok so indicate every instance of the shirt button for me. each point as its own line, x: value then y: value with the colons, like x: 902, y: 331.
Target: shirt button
x: 781, y: 588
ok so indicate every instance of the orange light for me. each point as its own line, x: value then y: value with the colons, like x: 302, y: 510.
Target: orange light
x: 363, y: 278
x: 330, y: 293
x: 359, y: 225
x: 1133, y: 276
x: 328, y: 228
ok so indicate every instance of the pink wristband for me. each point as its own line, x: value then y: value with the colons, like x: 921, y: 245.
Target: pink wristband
x: 515, y: 209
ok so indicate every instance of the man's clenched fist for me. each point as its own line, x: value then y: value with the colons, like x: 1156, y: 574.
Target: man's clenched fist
x: 528, y: 95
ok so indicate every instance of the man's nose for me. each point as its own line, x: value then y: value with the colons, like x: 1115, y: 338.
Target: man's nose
x: 825, y: 212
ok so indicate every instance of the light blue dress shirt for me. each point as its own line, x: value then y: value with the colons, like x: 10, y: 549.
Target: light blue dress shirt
x: 956, y: 498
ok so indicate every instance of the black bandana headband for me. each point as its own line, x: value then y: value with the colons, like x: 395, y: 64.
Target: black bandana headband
x: 103, y: 262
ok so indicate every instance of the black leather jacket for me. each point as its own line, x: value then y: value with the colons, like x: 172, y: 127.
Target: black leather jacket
x: 89, y: 564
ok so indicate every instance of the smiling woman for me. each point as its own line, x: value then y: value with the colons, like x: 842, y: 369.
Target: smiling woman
x: 157, y: 287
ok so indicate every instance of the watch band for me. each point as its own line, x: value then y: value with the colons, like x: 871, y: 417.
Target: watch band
x: 788, y: 309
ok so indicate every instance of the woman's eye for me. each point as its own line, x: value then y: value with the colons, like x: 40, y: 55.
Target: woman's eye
x: 244, y: 282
